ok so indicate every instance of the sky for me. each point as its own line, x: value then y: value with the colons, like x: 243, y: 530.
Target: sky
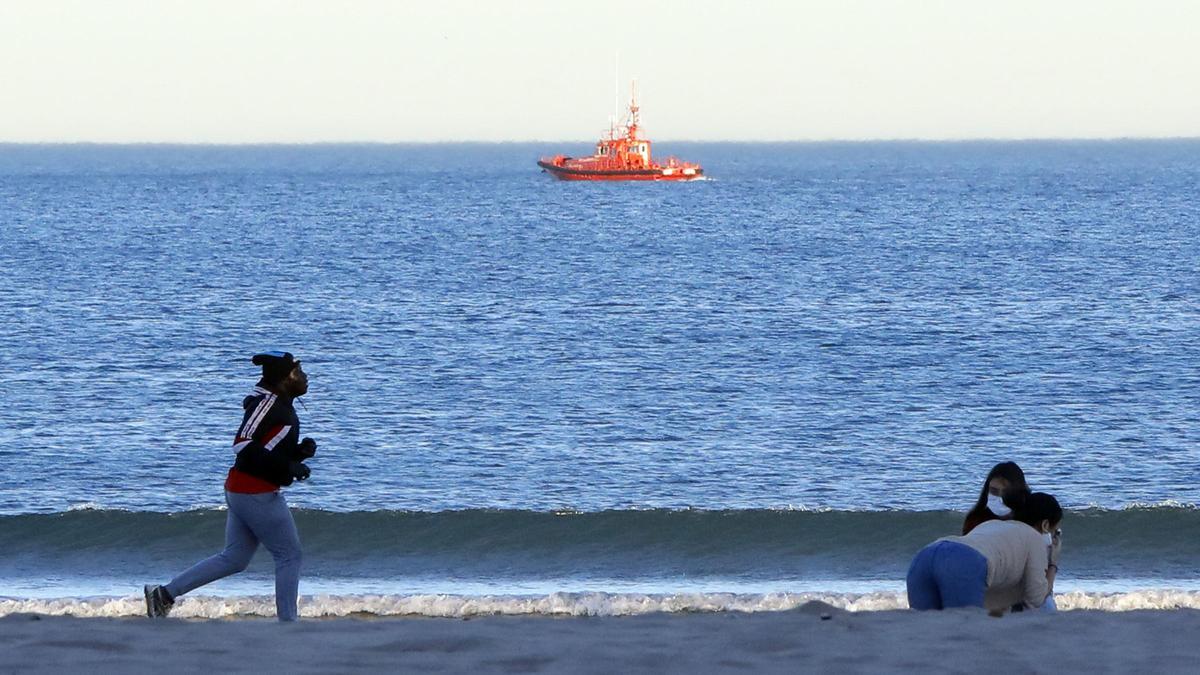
x: 267, y: 71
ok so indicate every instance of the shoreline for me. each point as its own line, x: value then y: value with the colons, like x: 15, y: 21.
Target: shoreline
x: 812, y: 638
x: 581, y: 604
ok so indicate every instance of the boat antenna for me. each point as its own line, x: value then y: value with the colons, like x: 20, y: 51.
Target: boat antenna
x: 616, y: 90
x: 633, y: 107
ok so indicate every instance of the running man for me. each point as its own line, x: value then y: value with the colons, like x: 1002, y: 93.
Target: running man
x: 269, y: 456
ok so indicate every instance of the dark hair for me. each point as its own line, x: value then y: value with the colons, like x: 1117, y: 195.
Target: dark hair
x: 979, y: 513
x: 276, y: 366
x: 1010, y: 472
x: 1033, y: 508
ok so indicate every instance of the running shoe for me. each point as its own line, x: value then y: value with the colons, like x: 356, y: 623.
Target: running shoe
x: 158, y: 601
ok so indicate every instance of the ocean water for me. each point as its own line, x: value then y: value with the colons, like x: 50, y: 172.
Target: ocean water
x: 782, y: 380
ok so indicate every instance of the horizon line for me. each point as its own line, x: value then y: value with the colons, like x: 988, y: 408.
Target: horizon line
x: 796, y: 141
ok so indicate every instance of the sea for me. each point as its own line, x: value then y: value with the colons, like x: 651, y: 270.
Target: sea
x: 532, y: 396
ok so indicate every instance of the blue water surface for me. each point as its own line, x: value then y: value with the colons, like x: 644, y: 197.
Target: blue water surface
x: 848, y: 326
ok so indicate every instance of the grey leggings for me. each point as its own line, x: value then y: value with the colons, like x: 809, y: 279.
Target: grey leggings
x: 252, y: 519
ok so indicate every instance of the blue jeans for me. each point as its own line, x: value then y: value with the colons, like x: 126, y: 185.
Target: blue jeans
x: 947, y: 574
x: 252, y: 519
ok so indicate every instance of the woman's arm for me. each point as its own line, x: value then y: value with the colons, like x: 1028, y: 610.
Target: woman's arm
x: 1036, y: 578
x: 1052, y: 565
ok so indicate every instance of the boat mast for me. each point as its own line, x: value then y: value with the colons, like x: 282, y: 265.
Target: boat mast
x: 633, y: 109
x: 612, y: 132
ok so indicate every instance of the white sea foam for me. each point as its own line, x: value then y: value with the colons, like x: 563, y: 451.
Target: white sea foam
x: 1163, y: 504
x: 554, y: 604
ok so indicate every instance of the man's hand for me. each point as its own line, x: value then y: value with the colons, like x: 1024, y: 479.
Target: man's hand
x: 298, y: 470
x: 307, y: 448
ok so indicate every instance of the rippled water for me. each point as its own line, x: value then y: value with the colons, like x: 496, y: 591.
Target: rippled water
x: 850, y: 326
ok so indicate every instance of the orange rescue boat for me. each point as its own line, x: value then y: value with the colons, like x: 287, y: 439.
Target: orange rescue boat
x: 623, y: 155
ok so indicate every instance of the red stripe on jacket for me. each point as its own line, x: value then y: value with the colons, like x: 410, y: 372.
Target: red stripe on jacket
x: 245, y: 484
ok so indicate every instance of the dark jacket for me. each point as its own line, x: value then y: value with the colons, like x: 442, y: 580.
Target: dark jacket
x: 267, y: 440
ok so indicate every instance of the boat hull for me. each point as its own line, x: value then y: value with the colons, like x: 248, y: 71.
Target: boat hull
x: 653, y: 173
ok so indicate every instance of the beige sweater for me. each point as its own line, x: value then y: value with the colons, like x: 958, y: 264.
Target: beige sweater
x: 1017, y: 558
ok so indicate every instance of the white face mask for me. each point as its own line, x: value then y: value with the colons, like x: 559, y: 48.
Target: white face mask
x: 1049, y: 539
x: 996, y: 506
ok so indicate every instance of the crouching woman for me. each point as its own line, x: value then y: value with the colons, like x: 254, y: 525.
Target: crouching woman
x: 996, y: 565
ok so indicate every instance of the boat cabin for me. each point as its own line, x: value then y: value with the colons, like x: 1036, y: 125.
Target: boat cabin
x: 630, y: 152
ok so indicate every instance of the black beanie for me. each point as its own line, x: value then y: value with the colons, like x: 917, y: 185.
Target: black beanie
x: 276, y: 366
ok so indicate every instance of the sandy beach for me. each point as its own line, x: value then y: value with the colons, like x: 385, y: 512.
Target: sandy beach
x: 694, y: 337
x: 813, y: 638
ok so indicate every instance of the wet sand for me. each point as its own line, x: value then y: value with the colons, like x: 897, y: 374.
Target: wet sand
x: 813, y: 638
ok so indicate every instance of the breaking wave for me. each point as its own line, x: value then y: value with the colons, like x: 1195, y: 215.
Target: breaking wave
x: 554, y: 604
